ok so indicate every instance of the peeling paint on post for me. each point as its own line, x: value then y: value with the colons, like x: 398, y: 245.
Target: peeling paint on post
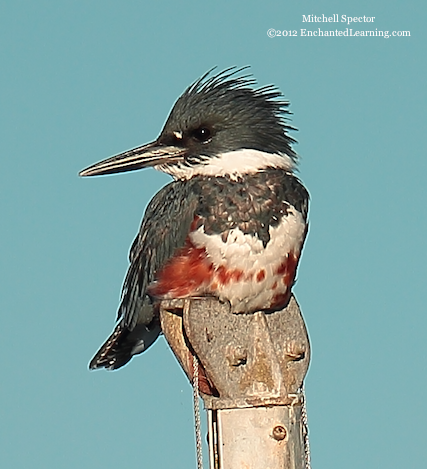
x: 248, y: 441
x: 257, y: 363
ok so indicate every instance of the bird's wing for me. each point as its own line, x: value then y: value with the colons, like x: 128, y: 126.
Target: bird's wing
x: 164, y: 229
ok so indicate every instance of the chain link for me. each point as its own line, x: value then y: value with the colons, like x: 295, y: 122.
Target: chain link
x: 196, y: 405
x: 304, y: 419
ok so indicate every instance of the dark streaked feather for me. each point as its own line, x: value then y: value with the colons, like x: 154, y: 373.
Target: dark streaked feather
x: 164, y: 229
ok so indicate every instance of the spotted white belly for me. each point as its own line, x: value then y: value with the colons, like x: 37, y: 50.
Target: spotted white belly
x: 249, y: 275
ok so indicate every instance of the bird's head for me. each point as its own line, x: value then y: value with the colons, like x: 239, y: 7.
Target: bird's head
x: 220, y: 125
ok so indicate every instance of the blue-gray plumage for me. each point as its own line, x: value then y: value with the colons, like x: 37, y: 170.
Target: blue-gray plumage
x: 232, y: 223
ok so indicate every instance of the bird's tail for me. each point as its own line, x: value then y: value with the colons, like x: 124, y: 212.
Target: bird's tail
x: 123, y: 344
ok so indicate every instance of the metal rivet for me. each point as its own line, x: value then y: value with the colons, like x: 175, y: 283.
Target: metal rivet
x: 236, y: 356
x: 279, y: 432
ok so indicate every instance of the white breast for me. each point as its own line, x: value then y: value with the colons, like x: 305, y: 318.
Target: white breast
x: 245, y: 253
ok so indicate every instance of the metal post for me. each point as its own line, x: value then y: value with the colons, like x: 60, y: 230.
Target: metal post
x: 256, y: 364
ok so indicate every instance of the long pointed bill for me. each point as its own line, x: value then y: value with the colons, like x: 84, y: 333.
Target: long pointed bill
x: 152, y: 154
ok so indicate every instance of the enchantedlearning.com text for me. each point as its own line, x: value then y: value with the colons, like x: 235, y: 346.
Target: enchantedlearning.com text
x: 348, y: 32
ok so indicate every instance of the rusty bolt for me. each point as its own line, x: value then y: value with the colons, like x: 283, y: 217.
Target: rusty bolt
x: 236, y: 356
x: 279, y: 432
x: 294, y: 351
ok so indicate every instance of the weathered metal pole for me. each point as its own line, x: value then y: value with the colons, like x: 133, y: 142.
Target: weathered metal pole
x: 255, y: 365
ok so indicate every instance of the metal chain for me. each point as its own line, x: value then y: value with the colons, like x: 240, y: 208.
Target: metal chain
x: 305, y: 430
x: 196, y: 404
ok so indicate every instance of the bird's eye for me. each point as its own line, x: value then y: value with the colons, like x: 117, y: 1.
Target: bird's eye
x: 202, y: 134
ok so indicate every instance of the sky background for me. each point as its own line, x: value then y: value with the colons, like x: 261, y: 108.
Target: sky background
x: 81, y: 81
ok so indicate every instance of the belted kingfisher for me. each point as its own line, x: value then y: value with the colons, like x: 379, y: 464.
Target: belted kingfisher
x: 231, y: 224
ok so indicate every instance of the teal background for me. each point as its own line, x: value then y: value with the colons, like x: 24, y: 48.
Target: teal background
x: 83, y: 80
